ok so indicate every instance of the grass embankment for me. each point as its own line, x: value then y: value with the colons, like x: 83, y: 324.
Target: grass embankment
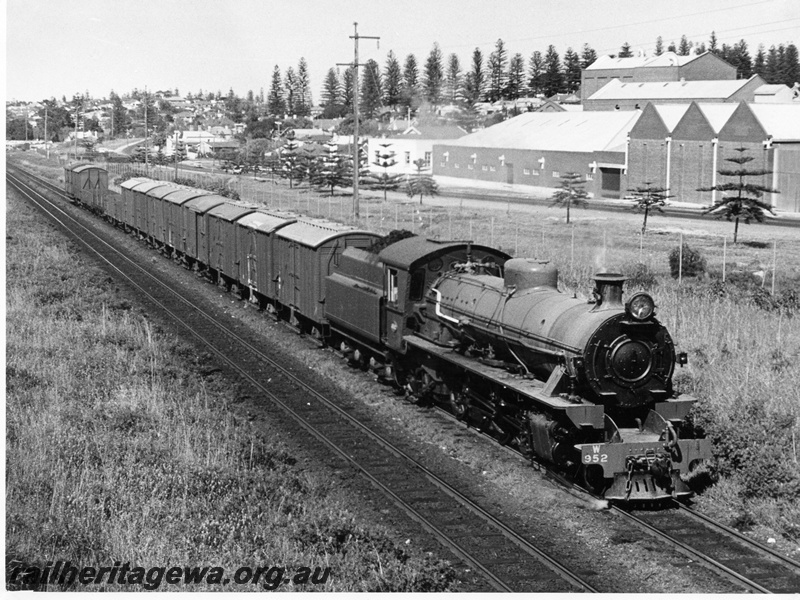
x: 743, y: 342
x: 117, y: 450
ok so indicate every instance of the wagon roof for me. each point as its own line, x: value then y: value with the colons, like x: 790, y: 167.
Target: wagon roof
x: 75, y: 165
x: 230, y: 211
x: 203, y: 204
x: 405, y: 253
x: 85, y: 167
x: 181, y: 195
x: 146, y: 186
x: 133, y: 182
x: 162, y: 190
x: 264, y: 221
x: 315, y: 232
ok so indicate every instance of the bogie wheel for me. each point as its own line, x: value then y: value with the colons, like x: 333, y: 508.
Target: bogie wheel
x: 591, y: 476
x: 459, y: 404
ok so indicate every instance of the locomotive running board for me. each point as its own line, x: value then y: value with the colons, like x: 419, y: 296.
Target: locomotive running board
x: 582, y: 415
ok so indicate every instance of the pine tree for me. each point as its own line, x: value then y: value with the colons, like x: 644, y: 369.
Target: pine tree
x: 290, y: 86
x: 276, y: 105
x: 421, y: 183
x: 392, y: 81
x: 672, y: 47
x: 700, y: 48
x: 760, y: 62
x: 453, y: 78
x: 712, y: 44
x: 434, y: 76
x: 515, y: 78
x: 553, y: 76
x: 588, y: 56
x: 348, y: 89
x: 303, y: 100
x: 290, y: 160
x: 475, y: 80
x: 333, y: 170
x: 536, y: 73
x: 791, y: 66
x: 570, y: 192
x: 646, y: 198
x: 332, y: 89
x: 740, y: 58
x: 497, y: 72
x: 740, y: 199
x: 371, y: 94
x: 384, y: 159
x: 774, y: 67
x: 659, y: 46
x: 625, y: 51
x: 410, y: 88
x: 572, y: 70
x: 685, y: 46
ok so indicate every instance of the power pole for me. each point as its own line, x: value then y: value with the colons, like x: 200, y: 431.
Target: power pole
x: 46, y: 145
x: 356, y: 148
x: 146, y: 148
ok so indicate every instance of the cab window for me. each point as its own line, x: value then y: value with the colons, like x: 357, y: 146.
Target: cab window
x: 417, y: 286
x: 391, y: 286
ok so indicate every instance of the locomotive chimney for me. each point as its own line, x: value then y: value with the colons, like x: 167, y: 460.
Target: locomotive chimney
x: 608, y: 290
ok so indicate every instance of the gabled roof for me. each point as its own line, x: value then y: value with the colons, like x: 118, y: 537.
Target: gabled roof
x: 781, y: 121
x: 566, y: 131
x: 667, y: 59
x: 717, y: 114
x: 670, y: 90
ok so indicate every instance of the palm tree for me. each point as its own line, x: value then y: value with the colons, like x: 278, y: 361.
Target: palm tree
x: 744, y: 200
x: 570, y: 192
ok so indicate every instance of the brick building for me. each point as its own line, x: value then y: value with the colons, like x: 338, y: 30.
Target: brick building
x: 536, y: 148
x: 665, y: 67
x: 682, y: 148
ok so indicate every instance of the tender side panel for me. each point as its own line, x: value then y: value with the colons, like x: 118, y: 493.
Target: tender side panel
x: 354, y: 305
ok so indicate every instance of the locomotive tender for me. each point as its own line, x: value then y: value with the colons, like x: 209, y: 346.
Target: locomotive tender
x: 586, y: 386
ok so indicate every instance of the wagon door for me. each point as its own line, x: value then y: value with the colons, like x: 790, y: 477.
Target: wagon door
x: 295, y: 272
x: 252, y: 259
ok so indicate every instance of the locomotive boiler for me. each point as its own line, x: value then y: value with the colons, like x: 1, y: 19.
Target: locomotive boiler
x: 580, y: 384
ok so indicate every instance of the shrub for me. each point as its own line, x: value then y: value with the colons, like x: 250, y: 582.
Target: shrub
x: 691, y: 264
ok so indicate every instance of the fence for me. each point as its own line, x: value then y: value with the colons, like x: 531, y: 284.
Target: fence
x: 578, y: 250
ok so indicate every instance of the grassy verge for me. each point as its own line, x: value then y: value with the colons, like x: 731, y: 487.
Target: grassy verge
x: 117, y: 450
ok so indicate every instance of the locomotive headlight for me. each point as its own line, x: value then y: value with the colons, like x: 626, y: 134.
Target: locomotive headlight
x: 640, y: 307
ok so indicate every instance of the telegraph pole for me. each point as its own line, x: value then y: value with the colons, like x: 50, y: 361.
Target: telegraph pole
x: 356, y: 149
x: 46, y: 145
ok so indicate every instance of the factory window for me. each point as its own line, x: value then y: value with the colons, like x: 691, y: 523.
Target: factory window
x: 484, y: 168
x: 492, y: 169
x: 391, y: 285
x: 456, y: 166
x: 427, y: 159
x: 535, y: 172
x: 556, y: 174
x: 408, y: 158
x: 526, y: 171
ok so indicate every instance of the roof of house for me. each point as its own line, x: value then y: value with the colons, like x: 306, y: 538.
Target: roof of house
x: 781, y: 121
x: 566, y: 131
x: 670, y: 90
x: 428, y: 132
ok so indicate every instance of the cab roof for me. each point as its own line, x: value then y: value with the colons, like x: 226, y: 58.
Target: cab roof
x: 406, y: 253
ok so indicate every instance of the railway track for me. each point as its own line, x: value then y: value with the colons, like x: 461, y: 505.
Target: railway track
x: 730, y: 554
x: 505, y: 559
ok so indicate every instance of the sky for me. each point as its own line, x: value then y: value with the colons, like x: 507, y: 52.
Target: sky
x: 58, y: 48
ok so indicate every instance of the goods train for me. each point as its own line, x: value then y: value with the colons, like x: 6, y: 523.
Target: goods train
x: 583, y: 385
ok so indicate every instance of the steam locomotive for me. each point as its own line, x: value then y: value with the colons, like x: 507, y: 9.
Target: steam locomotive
x: 585, y: 386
